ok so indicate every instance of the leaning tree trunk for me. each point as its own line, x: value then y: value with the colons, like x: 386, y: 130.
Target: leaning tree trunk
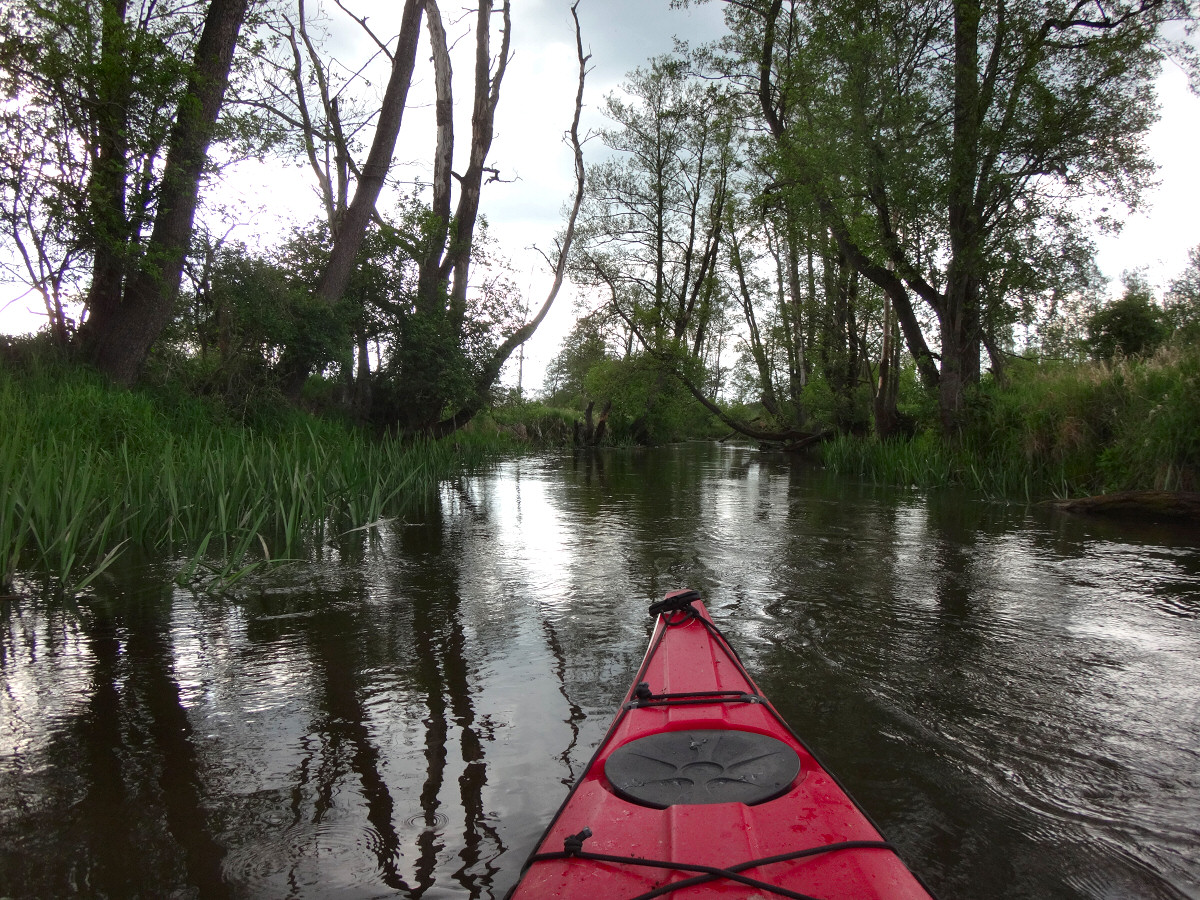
x: 349, y: 226
x: 120, y: 335
x: 353, y: 226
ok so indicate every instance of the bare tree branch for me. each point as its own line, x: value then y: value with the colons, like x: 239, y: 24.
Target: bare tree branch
x: 492, y: 369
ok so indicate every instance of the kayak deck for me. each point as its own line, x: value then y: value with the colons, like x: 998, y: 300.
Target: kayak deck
x: 700, y: 789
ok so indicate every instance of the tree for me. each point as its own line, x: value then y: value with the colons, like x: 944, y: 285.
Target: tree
x: 349, y: 225
x: 127, y: 99
x: 72, y: 121
x: 933, y: 138
x: 653, y: 219
x: 426, y: 352
x: 751, y: 287
x: 455, y: 263
x: 37, y: 180
x: 302, y: 92
x: 654, y: 215
x: 1183, y: 300
x: 124, y: 325
x: 448, y: 336
x: 1131, y: 326
x: 584, y: 347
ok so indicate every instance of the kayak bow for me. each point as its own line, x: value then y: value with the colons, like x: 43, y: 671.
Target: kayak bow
x: 700, y: 789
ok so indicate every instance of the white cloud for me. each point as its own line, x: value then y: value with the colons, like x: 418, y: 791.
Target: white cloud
x: 1159, y: 237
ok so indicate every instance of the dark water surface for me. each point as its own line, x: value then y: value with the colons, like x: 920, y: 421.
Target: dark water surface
x: 1014, y: 696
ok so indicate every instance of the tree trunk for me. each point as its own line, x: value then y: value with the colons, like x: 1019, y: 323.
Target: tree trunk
x: 888, y: 381
x: 353, y: 226
x: 483, y: 116
x: 960, y: 320
x: 107, y: 186
x: 444, y: 271
x: 431, y: 292
x: 362, y: 382
x: 348, y: 223
x: 800, y: 338
x: 996, y: 355
x: 120, y: 336
x: 770, y: 399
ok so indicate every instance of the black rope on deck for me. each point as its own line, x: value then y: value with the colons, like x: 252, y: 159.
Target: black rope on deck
x: 573, y: 850
x: 676, y: 601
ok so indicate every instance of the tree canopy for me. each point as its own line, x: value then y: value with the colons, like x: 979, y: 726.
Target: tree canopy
x: 829, y: 198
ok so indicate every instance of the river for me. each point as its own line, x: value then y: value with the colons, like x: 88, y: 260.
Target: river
x: 1012, y: 694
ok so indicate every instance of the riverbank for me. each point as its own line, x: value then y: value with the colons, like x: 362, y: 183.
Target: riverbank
x: 90, y: 471
x: 1055, y: 430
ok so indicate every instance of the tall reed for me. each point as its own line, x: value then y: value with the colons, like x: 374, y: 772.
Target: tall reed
x: 88, y: 469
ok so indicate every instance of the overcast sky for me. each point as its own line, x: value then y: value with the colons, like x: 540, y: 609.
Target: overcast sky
x: 535, y: 110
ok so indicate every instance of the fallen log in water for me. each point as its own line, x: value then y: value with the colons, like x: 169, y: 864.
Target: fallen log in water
x: 1183, y: 505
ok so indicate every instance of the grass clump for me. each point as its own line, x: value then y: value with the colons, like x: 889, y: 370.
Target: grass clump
x: 540, y: 424
x: 89, y: 469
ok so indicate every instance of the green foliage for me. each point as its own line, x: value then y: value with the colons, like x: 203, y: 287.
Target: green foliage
x: 583, y: 348
x: 69, y: 70
x: 253, y: 319
x: 246, y: 312
x: 426, y: 371
x: 847, y: 410
x: 436, y: 353
x: 649, y: 405
x: 1058, y: 429
x: 1183, y: 301
x: 651, y: 222
x: 92, y: 95
x: 1131, y: 326
x: 539, y: 423
x: 864, y: 101
x: 916, y: 405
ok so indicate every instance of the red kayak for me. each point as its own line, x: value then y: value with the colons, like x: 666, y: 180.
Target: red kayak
x: 700, y: 789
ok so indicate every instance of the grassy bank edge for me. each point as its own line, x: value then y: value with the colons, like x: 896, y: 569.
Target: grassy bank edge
x: 1055, y: 430
x: 88, y: 470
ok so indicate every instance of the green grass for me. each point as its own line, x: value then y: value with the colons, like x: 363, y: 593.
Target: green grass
x: 926, y: 461
x: 1056, y: 429
x: 89, y: 469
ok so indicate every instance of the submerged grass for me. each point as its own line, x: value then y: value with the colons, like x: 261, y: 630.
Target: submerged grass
x: 1056, y: 430
x: 88, y: 469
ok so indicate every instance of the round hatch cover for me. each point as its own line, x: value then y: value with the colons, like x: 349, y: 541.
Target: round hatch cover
x: 710, y: 766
